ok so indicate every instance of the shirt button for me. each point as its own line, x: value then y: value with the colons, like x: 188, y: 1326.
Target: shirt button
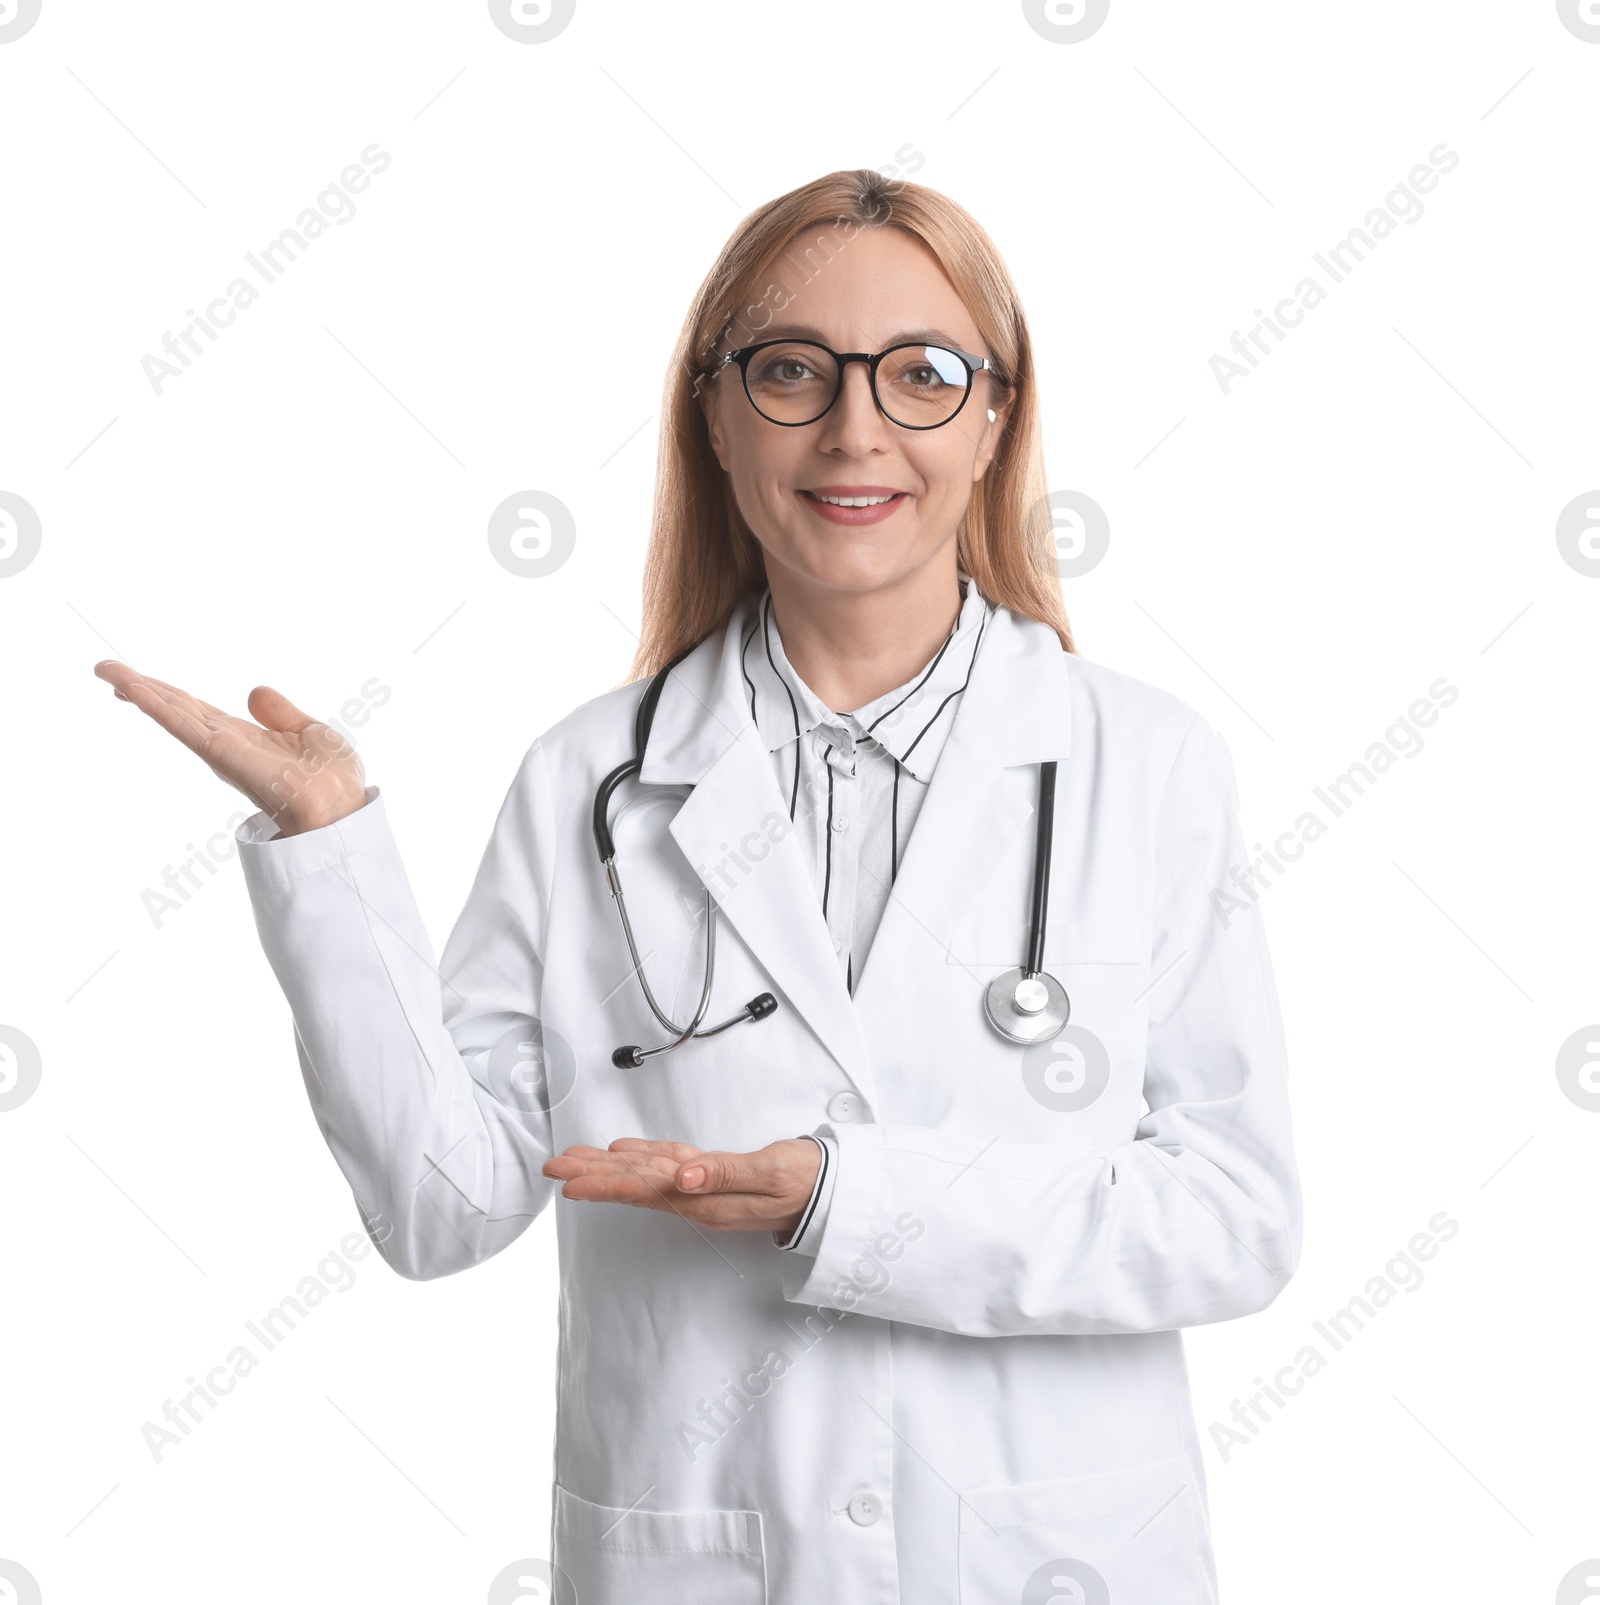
x: 865, y: 1507
x: 844, y: 1106
x: 840, y: 822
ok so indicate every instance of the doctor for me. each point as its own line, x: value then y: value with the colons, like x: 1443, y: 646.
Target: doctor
x: 874, y: 1294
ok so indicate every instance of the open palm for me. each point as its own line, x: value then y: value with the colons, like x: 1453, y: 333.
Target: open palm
x: 302, y: 773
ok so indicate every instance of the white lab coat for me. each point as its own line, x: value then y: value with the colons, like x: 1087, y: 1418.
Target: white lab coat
x: 975, y: 1390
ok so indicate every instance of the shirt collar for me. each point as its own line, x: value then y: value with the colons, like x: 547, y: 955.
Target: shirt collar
x: 911, y: 723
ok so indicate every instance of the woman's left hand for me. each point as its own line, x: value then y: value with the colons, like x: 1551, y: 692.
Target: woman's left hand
x: 769, y: 1188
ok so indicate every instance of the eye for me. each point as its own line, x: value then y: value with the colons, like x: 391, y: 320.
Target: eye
x: 791, y: 367
x: 926, y: 368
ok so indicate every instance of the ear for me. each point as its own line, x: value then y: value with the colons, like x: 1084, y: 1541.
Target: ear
x: 993, y: 433
x: 706, y: 391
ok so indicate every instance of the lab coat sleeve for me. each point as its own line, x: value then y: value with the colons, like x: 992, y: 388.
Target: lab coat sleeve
x: 1196, y: 1219
x: 814, y: 1218
x: 427, y: 1081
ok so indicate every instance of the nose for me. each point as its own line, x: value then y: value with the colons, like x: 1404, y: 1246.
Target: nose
x: 853, y: 424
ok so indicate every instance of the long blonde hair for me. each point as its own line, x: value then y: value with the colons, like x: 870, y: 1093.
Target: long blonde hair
x: 702, y: 558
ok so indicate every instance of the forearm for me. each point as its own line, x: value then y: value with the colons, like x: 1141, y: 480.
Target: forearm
x: 1014, y: 1238
x: 428, y: 1152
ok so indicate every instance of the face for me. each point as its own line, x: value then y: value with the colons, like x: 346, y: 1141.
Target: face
x: 881, y: 287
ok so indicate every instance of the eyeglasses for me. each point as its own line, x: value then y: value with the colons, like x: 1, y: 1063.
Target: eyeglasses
x: 915, y: 385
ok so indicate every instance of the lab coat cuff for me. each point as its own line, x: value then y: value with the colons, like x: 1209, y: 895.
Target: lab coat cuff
x: 268, y: 856
x: 842, y: 1266
x: 813, y: 1220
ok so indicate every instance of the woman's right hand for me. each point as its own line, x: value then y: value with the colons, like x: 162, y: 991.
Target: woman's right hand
x: 304, y: 774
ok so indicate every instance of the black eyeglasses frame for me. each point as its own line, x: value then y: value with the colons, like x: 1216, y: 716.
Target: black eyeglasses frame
x: 741, y: 355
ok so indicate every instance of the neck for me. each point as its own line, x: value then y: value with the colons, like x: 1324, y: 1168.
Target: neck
x: 852, y: 647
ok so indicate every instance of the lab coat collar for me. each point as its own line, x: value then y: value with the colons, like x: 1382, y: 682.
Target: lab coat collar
x: 734, y: 828
x: 911, y: 722
x: 1019, y: 692
x: 735, y: 831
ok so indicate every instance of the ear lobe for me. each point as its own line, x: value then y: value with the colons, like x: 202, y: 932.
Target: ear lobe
x: 706, y: 394
x: 991, y: 441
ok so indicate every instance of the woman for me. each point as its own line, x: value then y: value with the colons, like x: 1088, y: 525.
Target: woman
x: 860, y: 1297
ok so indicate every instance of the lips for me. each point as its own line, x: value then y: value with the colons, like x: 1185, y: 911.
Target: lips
x: 853, y: 504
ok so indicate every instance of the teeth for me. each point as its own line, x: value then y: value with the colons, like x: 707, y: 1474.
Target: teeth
x: 854, y: 501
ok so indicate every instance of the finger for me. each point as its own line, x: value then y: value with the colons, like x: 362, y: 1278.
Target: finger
x: 615, y: 1189
x: 676, y: 1151
x: 620, y: 1178
x: 173, y: 709
x: 563, y: 1167
x: 622, y: 1187
x: 187, y: 698
x: 114, y: 673
x: 597, y: 1162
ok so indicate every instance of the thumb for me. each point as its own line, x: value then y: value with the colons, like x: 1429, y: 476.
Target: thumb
x: 718, y: 1173
x: 275, y: 710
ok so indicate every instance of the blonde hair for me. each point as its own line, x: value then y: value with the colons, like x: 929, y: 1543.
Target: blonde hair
x: 703, y: 558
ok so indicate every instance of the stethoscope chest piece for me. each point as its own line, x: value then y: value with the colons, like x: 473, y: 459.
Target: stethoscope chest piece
x: 1026, y: 1008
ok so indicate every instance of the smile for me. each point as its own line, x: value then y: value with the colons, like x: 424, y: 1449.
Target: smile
x: 853, y: 504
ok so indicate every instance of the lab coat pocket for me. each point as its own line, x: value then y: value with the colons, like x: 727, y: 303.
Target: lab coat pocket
x: 1128, y: 1537
x: 614, y: 1556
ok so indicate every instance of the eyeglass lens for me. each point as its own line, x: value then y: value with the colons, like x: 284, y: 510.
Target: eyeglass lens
x: 917, y: 385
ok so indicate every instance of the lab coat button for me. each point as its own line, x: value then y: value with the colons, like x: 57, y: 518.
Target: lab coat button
x: 844, y: 1106
x: 841, y: 822
x: 865, y: 1507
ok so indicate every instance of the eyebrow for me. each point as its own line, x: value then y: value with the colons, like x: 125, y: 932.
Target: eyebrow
x: 805, y: 331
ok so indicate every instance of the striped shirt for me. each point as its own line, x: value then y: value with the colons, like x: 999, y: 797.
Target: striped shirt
x: 854, y: 784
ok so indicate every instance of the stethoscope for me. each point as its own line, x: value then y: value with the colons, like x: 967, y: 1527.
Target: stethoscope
x: 1030, y: 1005
x: 1025, y: 1005
x: 758, y: 1008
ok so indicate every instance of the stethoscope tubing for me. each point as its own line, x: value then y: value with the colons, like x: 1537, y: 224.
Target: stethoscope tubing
x: 1043, y: 843
x: 1040, y: 1019
x: 758, y: 1008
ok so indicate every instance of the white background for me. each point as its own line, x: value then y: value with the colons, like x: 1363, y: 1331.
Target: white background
x: 1373, y: 508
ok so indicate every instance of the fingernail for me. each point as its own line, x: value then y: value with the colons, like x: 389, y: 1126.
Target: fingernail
x: 695, y: 1177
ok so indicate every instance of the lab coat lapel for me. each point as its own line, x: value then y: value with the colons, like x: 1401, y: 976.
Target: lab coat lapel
x: 736, y: 834
x: 1016, y: 710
